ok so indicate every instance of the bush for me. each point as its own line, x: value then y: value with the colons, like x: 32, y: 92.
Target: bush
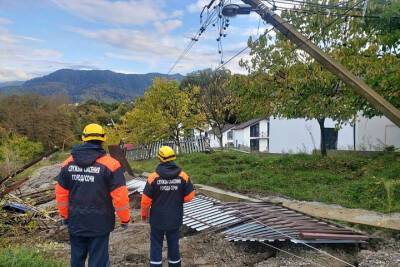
x: 16, y: 150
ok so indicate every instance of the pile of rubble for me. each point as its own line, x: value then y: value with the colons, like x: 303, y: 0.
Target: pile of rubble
x: 31, y: 206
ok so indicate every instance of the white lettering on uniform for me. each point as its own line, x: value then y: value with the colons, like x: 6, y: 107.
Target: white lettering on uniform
x: 165, y: 188
x: 169, y: 185
x: 83, y: 178
x: 92, y: 169
x: 74, y: 168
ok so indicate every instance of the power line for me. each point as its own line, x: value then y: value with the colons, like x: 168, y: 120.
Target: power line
x: 298, y: 46
x: 306, y: 3
x: 318, y: 12
x: 194, y: 39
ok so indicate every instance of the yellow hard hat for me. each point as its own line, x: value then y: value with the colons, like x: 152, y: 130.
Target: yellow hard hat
x: 93, y: 131
x: 166, y: 153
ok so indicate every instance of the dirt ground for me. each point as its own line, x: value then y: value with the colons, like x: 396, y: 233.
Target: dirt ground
x: 131, y: 247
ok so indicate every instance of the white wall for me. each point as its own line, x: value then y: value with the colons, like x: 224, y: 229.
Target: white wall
x: 264, y: 145
x: 263, y: 134
x: 225, y: 138
x: 214, y: 142
x: 263, y: 128
x: 376, y: 133
x: 291, y: 136
x: 300, y: 135
x: 239, y: 138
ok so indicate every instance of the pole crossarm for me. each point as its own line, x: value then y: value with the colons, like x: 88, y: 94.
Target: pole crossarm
x: 380, y: 103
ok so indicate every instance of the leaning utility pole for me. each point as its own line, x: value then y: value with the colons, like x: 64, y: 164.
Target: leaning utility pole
x: 332, y: 65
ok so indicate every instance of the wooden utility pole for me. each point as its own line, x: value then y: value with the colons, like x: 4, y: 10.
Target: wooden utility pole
x: 332, y: 65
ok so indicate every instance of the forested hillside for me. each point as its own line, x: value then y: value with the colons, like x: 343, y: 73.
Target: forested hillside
x: 81, y: 85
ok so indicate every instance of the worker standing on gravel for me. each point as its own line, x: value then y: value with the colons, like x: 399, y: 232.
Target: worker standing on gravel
x: 164, y: 194
x: 90, y: 190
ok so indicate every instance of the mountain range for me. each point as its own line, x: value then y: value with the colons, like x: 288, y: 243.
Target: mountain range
x: 81, y: 85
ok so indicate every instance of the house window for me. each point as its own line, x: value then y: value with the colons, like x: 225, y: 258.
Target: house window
x: 255, y: 130
x: 255, y: 145
x: 331, y: 138
x: 230, y: 135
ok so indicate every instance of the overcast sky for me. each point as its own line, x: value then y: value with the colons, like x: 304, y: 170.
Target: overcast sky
x: 129, y: 36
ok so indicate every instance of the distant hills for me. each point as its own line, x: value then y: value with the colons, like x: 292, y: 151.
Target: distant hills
x: 12, y: 83
x: 81, y: 85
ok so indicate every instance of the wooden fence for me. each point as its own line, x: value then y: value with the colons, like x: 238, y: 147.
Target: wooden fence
x: 148, y: 151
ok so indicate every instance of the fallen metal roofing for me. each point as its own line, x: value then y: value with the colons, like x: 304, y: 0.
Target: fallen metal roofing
x: 136, y: 185
x: 258, y: 221
x: 270, y: 222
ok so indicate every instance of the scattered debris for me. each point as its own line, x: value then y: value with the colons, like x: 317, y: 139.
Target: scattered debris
x: 16, y: 208
x: 258, y: 221
x: 206, y: 248
x: 26, y: 166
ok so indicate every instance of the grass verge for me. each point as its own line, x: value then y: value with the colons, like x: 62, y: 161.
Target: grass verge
x: 26, y: 257
x: 368, y: 181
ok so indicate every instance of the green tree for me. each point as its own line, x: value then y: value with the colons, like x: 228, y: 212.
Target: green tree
x: 163, y: 112
x: 293, y: 85
x: 39, y: 118
x: 16, y: 150
x: 214, y: 98
x: 375, y: 54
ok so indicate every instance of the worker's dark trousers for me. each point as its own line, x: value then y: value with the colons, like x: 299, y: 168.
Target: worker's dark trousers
x: 157, y: 238
x: 95, y: 247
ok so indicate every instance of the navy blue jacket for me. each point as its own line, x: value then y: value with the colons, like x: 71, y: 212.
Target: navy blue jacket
x: 91, y: 188
x: 166, y: 190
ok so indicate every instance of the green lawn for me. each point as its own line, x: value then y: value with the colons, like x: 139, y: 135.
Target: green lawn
x: 352, y: 180
x: 26, y: 257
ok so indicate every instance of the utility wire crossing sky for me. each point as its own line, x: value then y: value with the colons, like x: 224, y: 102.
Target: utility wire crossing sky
x: 128, y: 36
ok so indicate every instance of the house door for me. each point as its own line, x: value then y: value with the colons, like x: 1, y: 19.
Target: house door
x: 331, y: 138
x: 255, y: 145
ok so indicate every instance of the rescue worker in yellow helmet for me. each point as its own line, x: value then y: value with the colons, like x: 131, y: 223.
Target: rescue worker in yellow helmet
x: 164, y: 194
x: 90, y: 190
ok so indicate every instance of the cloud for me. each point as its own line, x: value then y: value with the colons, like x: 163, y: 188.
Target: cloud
x: 46, y: 54
x: 22, y: 59
x: 134, y: 12
x: 4, y: 21
x: 138, y: 42
x: 177, y: 14
x: 13, y: 75
x: 198, y: 6
x: 167, y: 26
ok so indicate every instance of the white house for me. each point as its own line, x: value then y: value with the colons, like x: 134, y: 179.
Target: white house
x: 251, y: 135
x: 278, y: 135
x: 214, y: 142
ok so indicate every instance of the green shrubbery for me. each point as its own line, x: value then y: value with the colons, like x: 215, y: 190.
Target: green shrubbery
x: 16, y: 150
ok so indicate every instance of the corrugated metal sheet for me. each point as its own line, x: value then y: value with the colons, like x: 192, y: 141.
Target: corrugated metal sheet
x: 136, y: 185
x: 249, y: 221
x: 271, y: 222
